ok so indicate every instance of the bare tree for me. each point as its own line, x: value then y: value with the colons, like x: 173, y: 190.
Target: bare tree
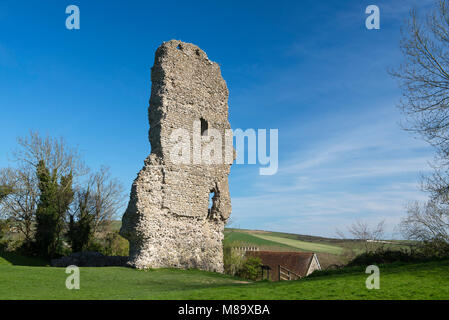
x: 106, y: 198
x: 20, y: 205
x: 55, y: 152
x: 424, y: 77
x: 96, y: 203
x: 361, y: 231
x: 426, y: 222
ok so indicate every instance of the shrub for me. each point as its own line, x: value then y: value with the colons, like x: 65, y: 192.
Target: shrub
x: 116, y: 245
x: 113, y: 244
x: 425, y: 251
x: 3, y: 245
x: 4, y: 228
x: 19, y: 247
x: 250, y: 268
x: 79, y: 232
x: 236, y: 264
x: 438, y: 248
x: 232, y: 259
x: 382, y: 256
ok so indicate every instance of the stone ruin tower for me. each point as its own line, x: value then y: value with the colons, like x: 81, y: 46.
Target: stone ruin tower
x: 169, y: 221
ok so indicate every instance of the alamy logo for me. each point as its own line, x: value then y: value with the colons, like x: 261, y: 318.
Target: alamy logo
x: 208, y: 147
x: 72, y: 21
x: 373, y: 20
x: 72, y: 281
x: 373, y: 281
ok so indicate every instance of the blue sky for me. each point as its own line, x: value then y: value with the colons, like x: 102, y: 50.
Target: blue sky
x: 308, y: 68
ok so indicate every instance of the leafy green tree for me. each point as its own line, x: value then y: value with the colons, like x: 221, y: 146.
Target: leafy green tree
x: 80, y: 229
x: 232, y: 258
x: 250, y: 268
x: 116, y: 245
x: 46, y: 213
x: 4, y: 226
x: 54, y: 201
x: 65, y: 196
x: 61, y: 160
x: 95, y: 206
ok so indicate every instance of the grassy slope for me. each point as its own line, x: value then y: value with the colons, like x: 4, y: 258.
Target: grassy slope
x: 417, y: 281
x: 301, y: 242
x: 307, y: 246
x: 272, y: 241
x: 249, y: 239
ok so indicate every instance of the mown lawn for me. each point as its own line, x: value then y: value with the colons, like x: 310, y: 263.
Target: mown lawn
x: 415, y: 281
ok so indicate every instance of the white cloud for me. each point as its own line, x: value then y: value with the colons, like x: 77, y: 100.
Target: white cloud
x: 368, y: 172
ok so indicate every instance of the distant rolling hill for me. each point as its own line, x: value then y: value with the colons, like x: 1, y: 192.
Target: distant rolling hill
x: 329, y: 250
x: 274, y: 240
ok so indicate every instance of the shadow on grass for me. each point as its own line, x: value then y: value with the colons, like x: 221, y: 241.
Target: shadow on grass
x: 173, y: 279
x: 19, y: 260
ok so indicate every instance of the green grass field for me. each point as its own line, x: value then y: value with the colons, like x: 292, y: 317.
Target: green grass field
x: 277, y: 239
x: 303, y: 245
x: 30, y: 278
x: 415, y: 281
x: 249, y: 239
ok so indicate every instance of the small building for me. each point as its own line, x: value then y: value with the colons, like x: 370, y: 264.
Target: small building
x: 286, y: 265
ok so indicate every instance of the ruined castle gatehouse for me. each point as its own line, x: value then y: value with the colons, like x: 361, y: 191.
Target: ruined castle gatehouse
x: 169, y: 221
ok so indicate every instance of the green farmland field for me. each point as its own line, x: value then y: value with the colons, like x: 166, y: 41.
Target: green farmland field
x: 306, y: 246
x: 251, y: 239
x: 330, y: 251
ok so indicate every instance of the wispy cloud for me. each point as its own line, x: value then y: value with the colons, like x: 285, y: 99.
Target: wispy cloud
x: 368, y: 172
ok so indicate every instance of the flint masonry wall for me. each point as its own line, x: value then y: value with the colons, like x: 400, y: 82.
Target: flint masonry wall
x: 168, y: 221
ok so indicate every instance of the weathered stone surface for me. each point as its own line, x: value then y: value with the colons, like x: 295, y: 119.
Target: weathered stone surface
x: 168, y: 221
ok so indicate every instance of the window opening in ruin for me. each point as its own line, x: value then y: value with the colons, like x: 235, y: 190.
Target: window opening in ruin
x: 204, y: 127
x: 211, y: 203
x: 179, y: 47
x: 211, y: 200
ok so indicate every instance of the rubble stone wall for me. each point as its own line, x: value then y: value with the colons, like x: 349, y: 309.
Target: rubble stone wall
x: 168, y: 221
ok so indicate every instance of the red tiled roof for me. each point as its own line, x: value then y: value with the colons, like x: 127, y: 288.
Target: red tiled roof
x: 298, y: 262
